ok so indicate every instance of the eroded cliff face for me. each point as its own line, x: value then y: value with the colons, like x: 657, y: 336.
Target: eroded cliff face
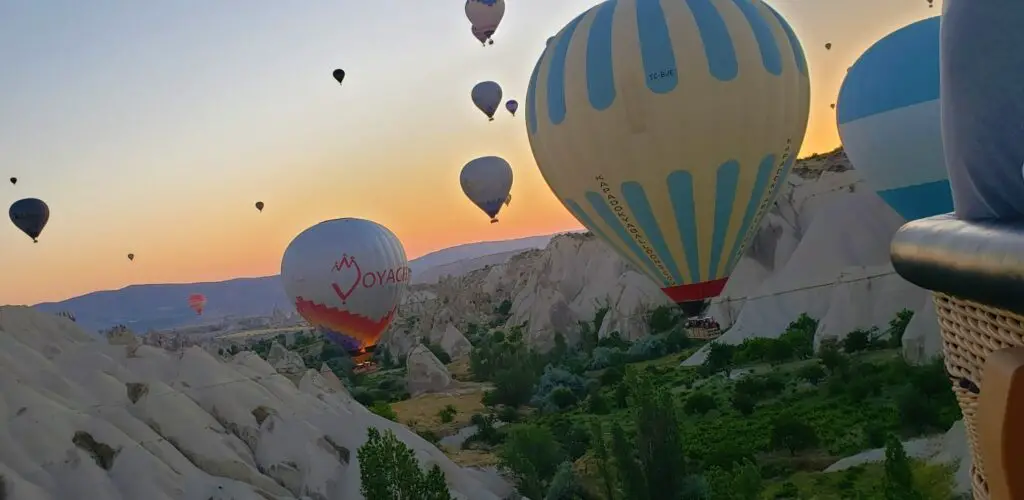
x: 548, y: 291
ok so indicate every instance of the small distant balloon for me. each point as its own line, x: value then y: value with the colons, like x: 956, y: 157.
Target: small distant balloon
x: 487, y: 97
x: 259, y: 206
x: 197, y: 302
x: 339, y: 74
x: 486, y: 181
x: 485, y: 15
x: 833, y: 105
x: 14, y: 180
x: 512, y: 105
x: 828, y: 46
x: 131, y: 256
x: 30, y: 215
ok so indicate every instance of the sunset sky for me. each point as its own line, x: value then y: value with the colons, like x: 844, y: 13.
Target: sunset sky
x: 152, y: 127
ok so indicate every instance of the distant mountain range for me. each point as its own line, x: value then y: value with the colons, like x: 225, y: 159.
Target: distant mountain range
x: 162, y: 306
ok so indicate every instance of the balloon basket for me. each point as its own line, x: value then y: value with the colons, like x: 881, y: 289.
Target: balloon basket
x: 494, y: 221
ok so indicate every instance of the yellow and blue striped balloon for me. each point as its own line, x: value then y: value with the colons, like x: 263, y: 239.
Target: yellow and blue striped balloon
x: 667, y: 126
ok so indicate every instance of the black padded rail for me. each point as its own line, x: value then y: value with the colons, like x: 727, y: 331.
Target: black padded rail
x: 978, y: 261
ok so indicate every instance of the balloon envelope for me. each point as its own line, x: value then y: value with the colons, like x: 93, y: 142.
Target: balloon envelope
x: 667, y: 130
x: 259, y: 206
x: 346, y: 277
x: 487, y: 182
x: 14, y: 180
x: 339, y: 74
x: 479, y: 34
x: 131, y: 256
x: 30, y: 215
x: 487, y: 97
x: 485, y: 15
x: 888, y: 117
x: 197, y: 302
x: 512, y: 106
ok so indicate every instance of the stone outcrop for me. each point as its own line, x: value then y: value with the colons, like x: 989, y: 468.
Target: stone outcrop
x: 455, y: 343
x: 286, y: 362
x: 424, y: 372
x: 165, y: 425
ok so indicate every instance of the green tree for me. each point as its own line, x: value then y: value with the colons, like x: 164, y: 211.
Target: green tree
x: 384, y: 410
x: 658, y: 441
x: 832, y: 358
x: 531, y: 455
x: 742, y: 482
x: 564, y: 485
x: 792, y: 434
x: 447, y: 414
x: 699, y: 403
x: 899, y: 477
x: 632, y: 483
x: 744, y: 404
x: 388, y: 470
x: 898, y: 326
x: 812, y: 373
x: 601, y: 455
x: 719, y: 359
x: 779, y: 352
x: 856, y: 341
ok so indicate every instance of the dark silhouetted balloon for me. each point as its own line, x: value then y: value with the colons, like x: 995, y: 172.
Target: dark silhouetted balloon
x: 30, y: 215
x: 339, y: 74
x: 14, y: 180
x: 828, y: 46
x: 833, y: 105
x: 259, y: 206
x: 131, y: 256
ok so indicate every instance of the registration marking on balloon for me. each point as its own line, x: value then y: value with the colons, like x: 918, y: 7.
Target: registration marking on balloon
x: 634, y: 231
x: 658, y: 75
x: 359, y: 279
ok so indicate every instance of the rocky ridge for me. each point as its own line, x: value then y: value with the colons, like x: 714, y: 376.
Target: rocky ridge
x: 126, y: 420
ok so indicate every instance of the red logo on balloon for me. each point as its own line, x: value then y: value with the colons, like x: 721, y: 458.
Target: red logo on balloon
x: 347, y: 262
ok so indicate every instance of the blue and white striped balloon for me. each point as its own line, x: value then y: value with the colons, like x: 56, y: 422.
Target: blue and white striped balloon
x: 666, y: 127
x: 889, y: 121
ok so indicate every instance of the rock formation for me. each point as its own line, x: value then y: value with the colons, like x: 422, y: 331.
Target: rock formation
x: 455, y: 343
x: 424, y: 372
x: 286, y: 362
x: 85, y: 420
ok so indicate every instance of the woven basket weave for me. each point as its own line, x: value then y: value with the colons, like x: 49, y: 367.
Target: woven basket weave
x: 970, y: 331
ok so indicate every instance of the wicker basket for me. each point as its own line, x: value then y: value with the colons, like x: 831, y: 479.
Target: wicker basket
x: 970, y: 331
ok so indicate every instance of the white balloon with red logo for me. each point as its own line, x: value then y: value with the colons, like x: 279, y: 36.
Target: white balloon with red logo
x: 346, y: 277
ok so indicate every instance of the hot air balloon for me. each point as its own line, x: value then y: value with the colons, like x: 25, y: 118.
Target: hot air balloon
x: 485, y: 15
x: 667, y: 131
x: 259, y: 206
x: 487, y: 182
x: 339, y: 74
x: 828, y: 46
x: 479, y: 35
x: 30, y: 215
x: 512, y: 105
x: 833, y: 105
x: 197, y: 302
x: 14, y: 180
x: 487, y: 97
x: 346, y: 277
x: 131, y: 257
x: 888, y: 116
